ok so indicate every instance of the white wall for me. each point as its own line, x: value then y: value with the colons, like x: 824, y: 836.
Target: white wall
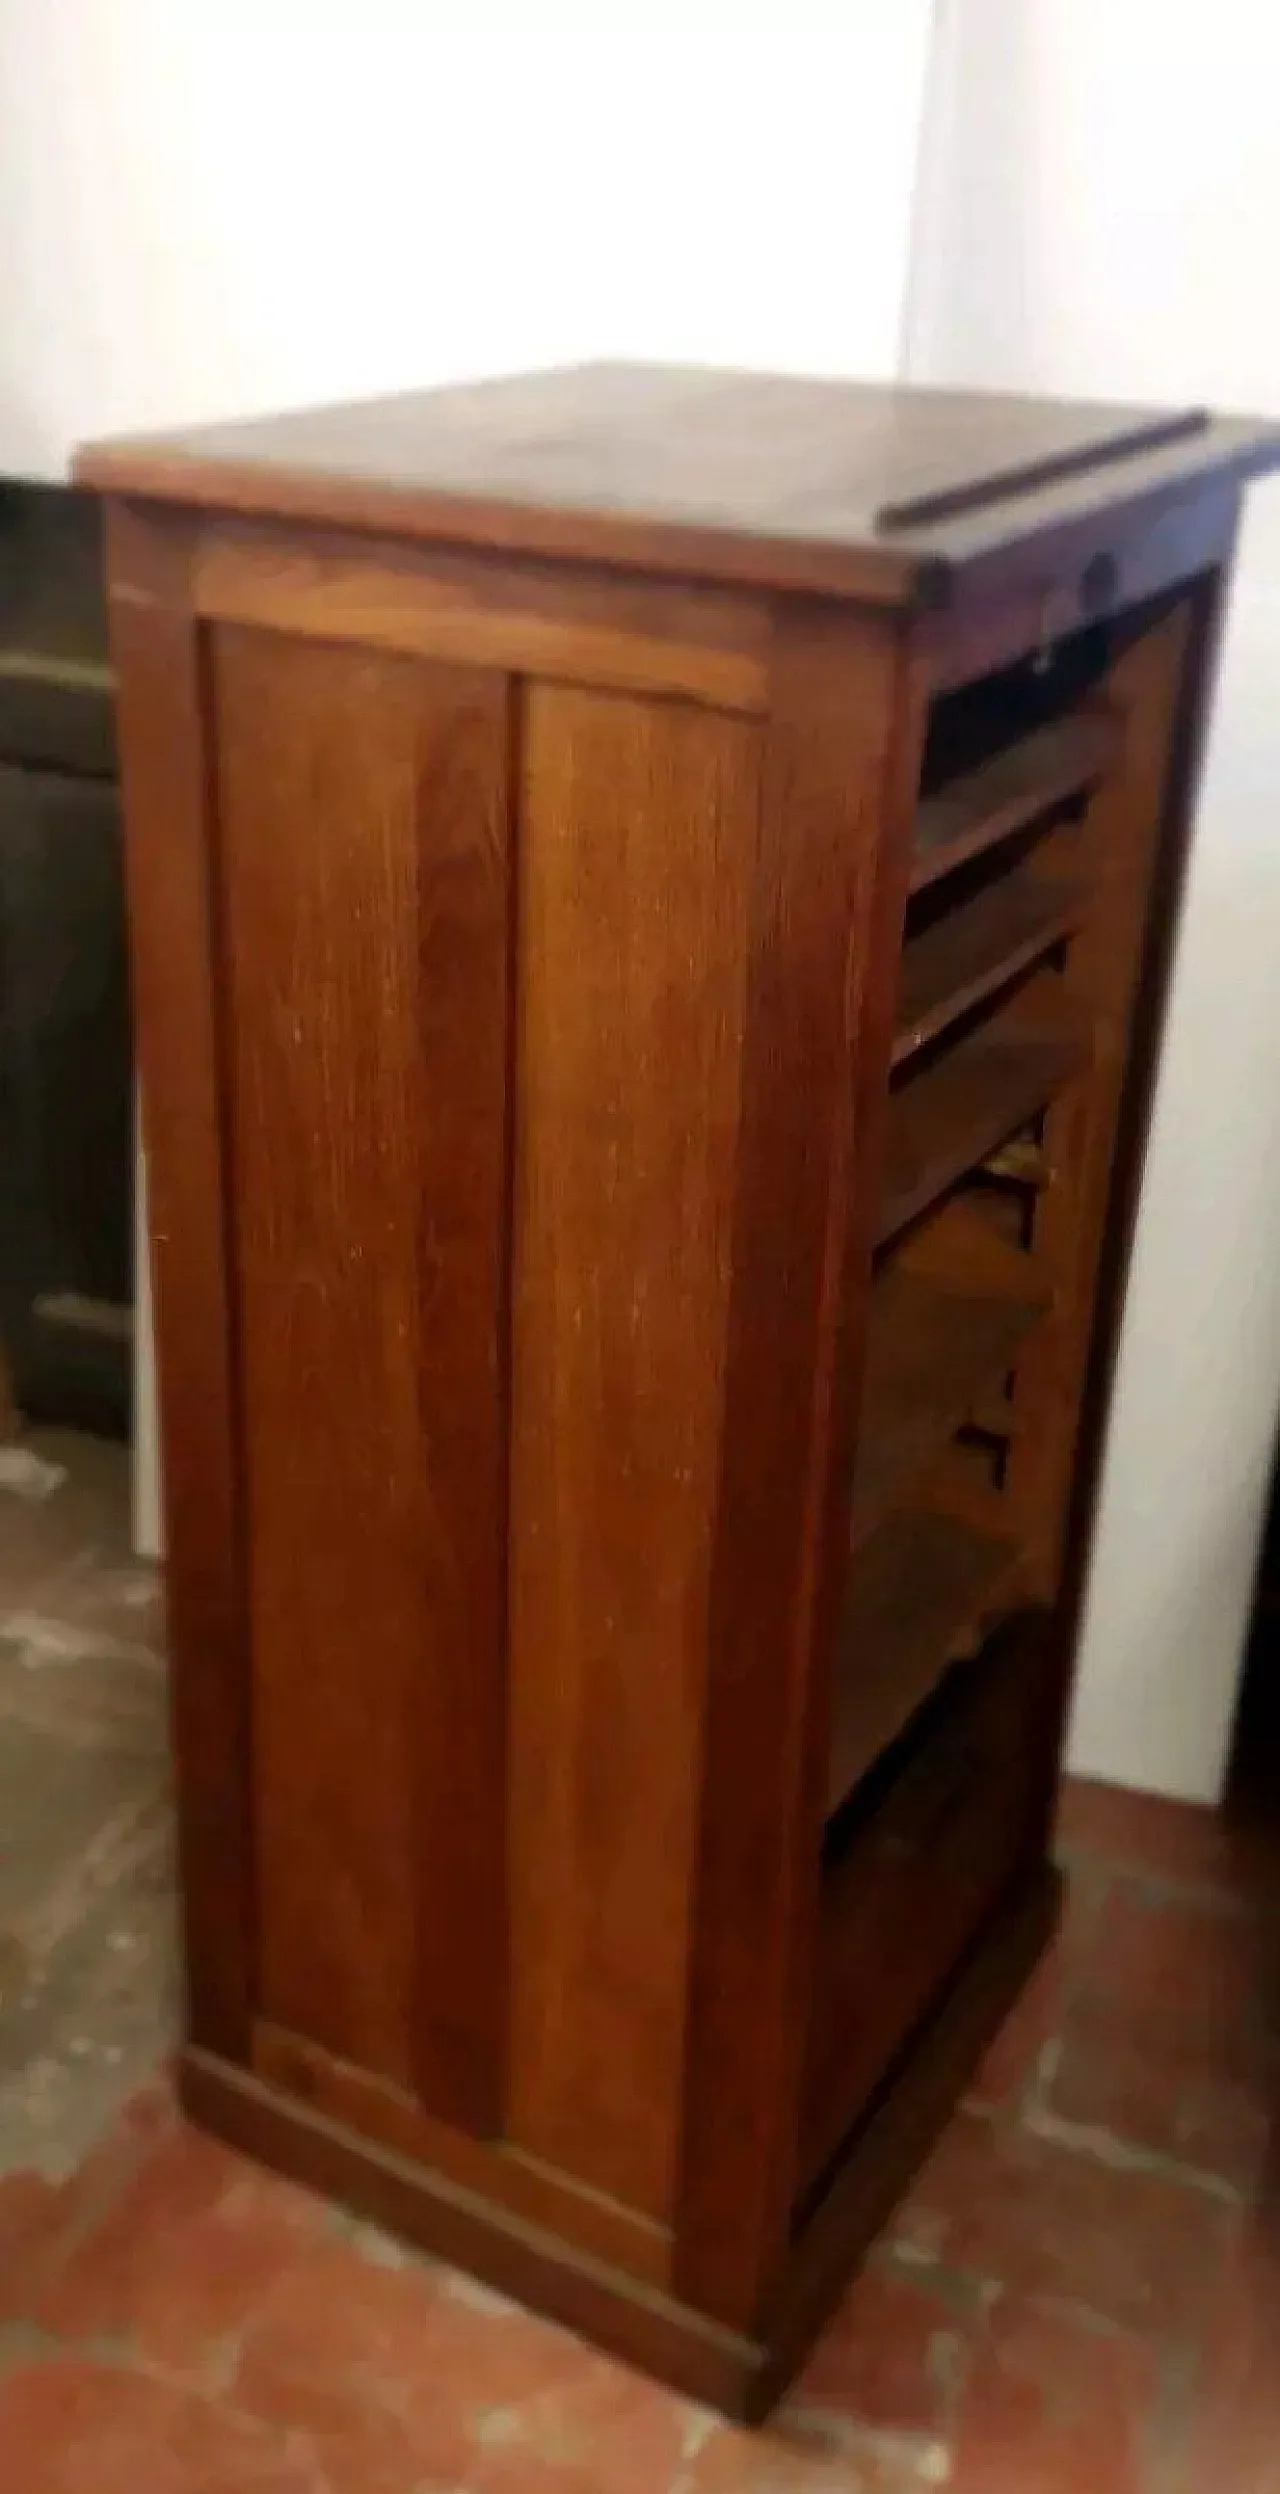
x: 209, y: 207
x: 215, y: 206
x: 1099, y: 209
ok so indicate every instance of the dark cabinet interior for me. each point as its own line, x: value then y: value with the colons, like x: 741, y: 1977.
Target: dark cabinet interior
x: 66, y: 1103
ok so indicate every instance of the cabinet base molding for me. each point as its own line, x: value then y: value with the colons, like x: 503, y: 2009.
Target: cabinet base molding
x: 743, y: 2377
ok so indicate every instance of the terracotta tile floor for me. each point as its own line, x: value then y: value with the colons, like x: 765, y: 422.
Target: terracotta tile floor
x: 1081, y: 2296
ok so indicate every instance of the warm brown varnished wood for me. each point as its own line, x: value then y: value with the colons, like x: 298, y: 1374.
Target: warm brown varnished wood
x: 976, y: 947
x: 538, y: 2194
x: 179, y: 1011
x: 547, y: 619
x: 1121, y: 830
x: 541, y: 2268
x: 912, y: 1876
x: 744, y: 2376
x: 632, y: 1005
x: 842, y: 756
x: 946, y: 1318
x: 363, y: 814
x: 643, y: 948
x: 921, y: 1591
x: 1011, y: 790
x: 712, y: 475
x: 950, y: 1113
x: 1081, y: 564
x: 1196, y: 660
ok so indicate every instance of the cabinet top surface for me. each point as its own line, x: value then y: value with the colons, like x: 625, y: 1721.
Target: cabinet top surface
x: 862, y: 489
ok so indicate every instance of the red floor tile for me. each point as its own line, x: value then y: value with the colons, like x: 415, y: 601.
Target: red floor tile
x: 889, y: 2359
x: 1053, y: 2406
x: 41, y: 2221
x: 1225, y: 2124
x: 1233, y: 2445
x: 1180, y: 2102
x: 183, y: 2257
x: 1162, y: 2041
x: 1182, y: 1966
x: 1010, y: 2068
x: 31, y: 2219
x: 1043, y: 2297
x: 770, y: 2462
x: 1010, y: 2072
x: 1143, y: 1833
x: 596, y: 2429
x: 1044, y: 2219
x: 71, y: 2427
x: 454, y: 2372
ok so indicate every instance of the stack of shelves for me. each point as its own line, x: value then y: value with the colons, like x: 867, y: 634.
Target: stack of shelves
x: 989, y: 1032
x: 993, y: 1031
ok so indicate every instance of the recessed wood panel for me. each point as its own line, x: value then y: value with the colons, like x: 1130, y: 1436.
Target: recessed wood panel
x: 637, y: 850
x: 362, y: 824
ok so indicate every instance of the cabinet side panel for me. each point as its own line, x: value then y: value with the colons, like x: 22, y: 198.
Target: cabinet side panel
x: 362, y: 808
x: 839, y: 777
x: 164, y: 740
x: 638, y: 844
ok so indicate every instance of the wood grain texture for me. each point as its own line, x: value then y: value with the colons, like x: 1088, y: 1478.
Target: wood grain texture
x: 741, y: 2375
x: 982, y: 807
x: 636, y: 854
x: 166, y: 754
x: 923, y: 1590
x: 908, y: 1893
x: 880, y: 2157
x: 1120, y: 836
x: 363, y: 820
x: 1031, y: 591
x: 946, y: 1317
x: 1207, y: 604
x: 587, y: 627
x: 535, y: 2194
x: 978, y: 946
x: 426, y: 2207
x: 714, y: 475
x: 525, y: 1077
x: 841, y: 768
x: 947, y: 1115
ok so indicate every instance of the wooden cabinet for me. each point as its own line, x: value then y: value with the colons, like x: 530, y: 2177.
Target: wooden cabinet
x: 651, y: 893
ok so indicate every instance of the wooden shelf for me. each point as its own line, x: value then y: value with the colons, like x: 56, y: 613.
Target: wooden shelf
x: 1010, y: 792
x: 947, y: 1117
x: 922, y: 1591
x: 57, y: 710
x: 66, y: 670
x: 945, y: 1323
x: 1019, y: 1162
x: 975, y: 948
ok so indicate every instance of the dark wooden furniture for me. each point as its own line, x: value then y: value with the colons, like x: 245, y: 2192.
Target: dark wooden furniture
x: 651, y: 895
x: 66, y: 1058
